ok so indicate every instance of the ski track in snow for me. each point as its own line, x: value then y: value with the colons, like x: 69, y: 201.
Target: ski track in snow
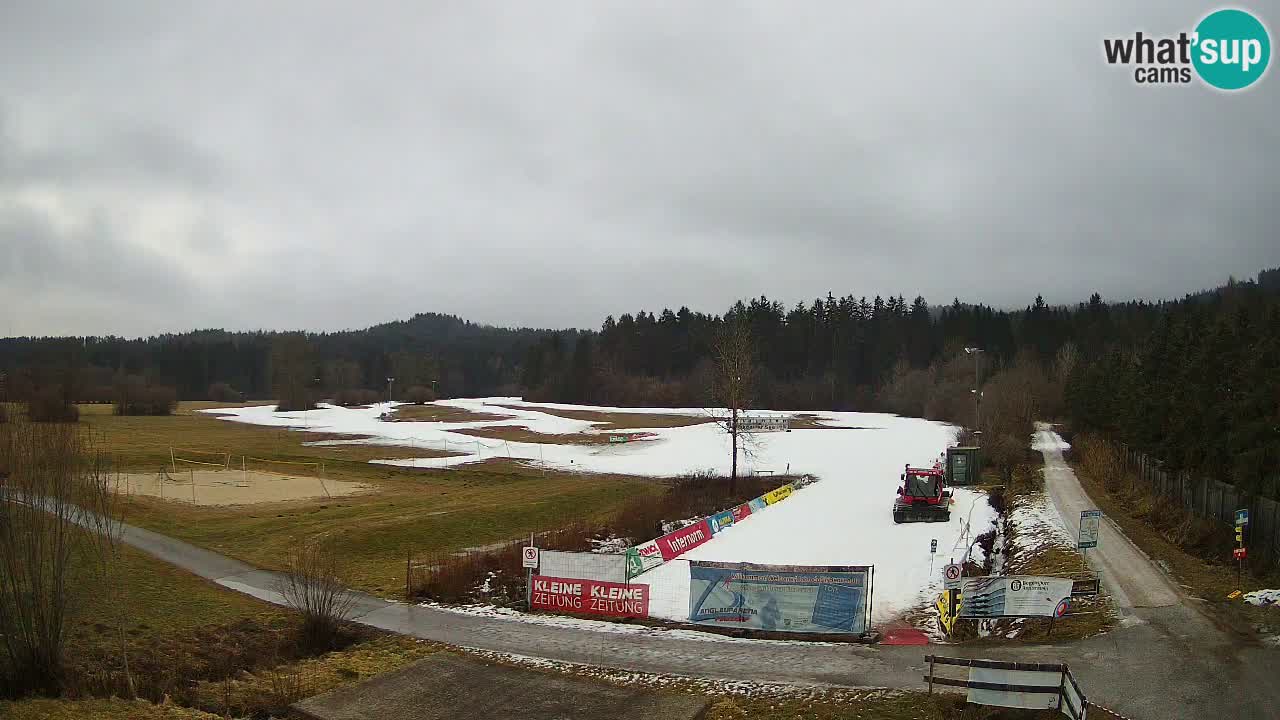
x: 843, y: 520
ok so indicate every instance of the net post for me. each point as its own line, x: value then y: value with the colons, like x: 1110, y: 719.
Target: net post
x: 173, y: 463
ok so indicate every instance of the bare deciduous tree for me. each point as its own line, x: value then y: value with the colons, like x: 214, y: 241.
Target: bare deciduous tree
x: 313, y: 585
x: 47, y: 479
x: 733, y: 383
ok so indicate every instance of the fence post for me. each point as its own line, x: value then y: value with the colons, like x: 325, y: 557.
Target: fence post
x: 408, y: 568
x: 930, y: 674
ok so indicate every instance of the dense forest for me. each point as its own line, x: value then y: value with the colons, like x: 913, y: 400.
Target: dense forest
x: 1193, y: 381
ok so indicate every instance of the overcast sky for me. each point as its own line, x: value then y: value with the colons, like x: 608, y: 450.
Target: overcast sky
x: 165, y: 166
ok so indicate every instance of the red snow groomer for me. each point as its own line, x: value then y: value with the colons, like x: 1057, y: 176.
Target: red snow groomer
x: 923, y: 496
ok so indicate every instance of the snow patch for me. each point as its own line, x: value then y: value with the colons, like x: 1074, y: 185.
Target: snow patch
x: 1263, y: 598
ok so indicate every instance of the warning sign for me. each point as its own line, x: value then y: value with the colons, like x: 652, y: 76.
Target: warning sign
x: 529, y: 558
x: 951, y: 576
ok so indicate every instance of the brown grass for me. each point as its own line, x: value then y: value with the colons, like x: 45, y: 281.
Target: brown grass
x: 620, y: 420
x: 453, y: 577
x: 521, y: 433
x: 1154, y: 525
x: 442, y: 413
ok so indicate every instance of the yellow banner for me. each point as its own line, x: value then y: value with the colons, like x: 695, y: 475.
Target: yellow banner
x: 775, y: 496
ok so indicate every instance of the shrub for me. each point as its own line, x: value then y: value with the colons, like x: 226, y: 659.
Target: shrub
x: 418, y: 394
x: 135, y: 397
x: 223, y: 392
x: 313, y: 585
x: 51, y: 405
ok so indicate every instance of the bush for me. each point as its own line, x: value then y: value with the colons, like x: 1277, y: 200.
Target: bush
x: 223, y: 392
x: 313, y: 585
x: 418, y: 395
x: 135, y: 397
x: 51, y: 405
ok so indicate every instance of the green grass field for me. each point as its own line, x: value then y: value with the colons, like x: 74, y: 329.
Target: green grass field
x: 409, y: 511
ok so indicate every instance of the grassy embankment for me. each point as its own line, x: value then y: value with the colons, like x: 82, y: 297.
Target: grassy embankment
x: 206, y: 648
x: 1153, y: 525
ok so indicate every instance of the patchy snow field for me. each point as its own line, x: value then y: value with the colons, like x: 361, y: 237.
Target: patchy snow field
x: 843, y: 520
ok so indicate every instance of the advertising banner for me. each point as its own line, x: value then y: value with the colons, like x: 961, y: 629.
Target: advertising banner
x: 1014, y: 596
x: 777, y: 496
x: 741, y: 512
x: 674, y: 544
x: 721, y: 520
x: 786, y: 598
x: 642, y: 558
x: 758, y: 504
x: 591, y: 597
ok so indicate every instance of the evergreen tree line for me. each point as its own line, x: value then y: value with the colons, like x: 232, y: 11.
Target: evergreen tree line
x: 1191, y: 381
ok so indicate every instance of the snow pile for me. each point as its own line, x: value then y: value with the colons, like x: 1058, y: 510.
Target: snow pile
x: 1263, y: 598
x: 845, y: 519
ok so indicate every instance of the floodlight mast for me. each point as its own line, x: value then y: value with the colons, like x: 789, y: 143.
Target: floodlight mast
x: 977, y: 413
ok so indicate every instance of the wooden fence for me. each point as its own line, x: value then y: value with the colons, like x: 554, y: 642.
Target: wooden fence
x: 1217, y: 501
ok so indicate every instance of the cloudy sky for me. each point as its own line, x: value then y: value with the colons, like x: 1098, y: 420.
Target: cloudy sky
x: 165, y: 166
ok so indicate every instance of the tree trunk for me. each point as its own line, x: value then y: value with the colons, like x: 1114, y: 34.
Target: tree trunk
x: 733, y: 435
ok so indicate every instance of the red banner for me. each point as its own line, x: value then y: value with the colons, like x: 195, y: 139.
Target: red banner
x: 675, y: 544
x: 740, y: 512
x: 590, y: 597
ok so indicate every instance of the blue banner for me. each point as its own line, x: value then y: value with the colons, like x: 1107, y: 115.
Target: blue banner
x: 721, y: 520
x: 758, y: 504
x: 783, y: 598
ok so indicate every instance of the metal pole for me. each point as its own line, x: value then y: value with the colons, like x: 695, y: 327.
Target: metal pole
x: 871, y: 597
x: 528, y: 580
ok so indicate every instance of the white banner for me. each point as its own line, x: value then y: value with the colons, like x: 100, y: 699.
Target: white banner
x: 1014, y: 596
x: 583, y: 566
x: 1011, y: 698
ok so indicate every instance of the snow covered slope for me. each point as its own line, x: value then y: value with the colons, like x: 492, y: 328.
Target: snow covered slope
x: 843, y: 520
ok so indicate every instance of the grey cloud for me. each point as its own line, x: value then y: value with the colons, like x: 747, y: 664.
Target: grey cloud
x: 293, y: 165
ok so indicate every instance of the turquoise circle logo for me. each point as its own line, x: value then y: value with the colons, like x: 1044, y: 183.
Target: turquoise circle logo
x: 1232, y: 49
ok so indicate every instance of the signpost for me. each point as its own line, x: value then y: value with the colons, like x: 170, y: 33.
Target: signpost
x: 1240, y: 553
x: 1090, y: 529
x: 529, y: 559
x: 951, y: 577
x: 933, y: 550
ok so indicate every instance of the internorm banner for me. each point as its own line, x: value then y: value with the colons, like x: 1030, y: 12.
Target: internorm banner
x: 674, y: 544
x: 646, y: 556
x: 786, y: 598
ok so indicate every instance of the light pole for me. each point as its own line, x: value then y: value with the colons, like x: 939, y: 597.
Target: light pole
x: 977, y: 415
x: 389, y: 381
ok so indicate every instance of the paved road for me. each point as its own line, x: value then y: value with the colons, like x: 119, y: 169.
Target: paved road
x: 1130, y: 576
x: 1166, y: 662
